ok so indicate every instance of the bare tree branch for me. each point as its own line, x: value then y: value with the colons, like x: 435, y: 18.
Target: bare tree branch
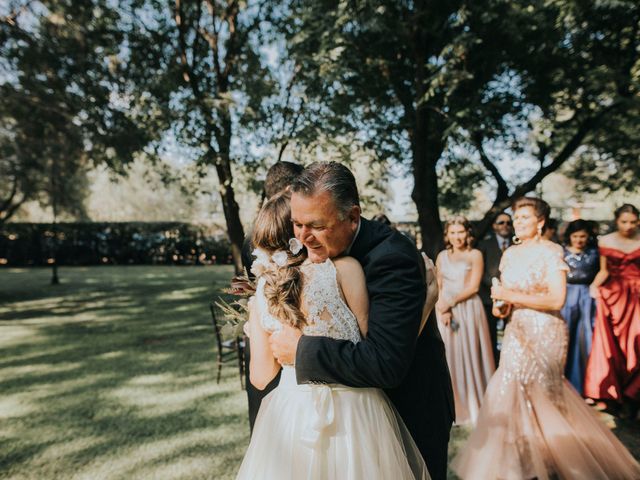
x: 503, y: 188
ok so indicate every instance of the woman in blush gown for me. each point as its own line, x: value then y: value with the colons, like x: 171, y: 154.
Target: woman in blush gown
x: 532, y: 423
x: 613, y: 371
x: 317, y: 432
x: 579, y: 308
x: 462, y: 320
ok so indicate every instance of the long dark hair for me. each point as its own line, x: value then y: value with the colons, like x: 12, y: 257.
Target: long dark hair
x: 578, y: 226
x: 626, y: 208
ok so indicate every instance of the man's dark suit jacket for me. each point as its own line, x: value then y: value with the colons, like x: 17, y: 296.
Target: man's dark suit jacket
x: 491, y: 255
x: 412, y: 370
x: 254, y: 395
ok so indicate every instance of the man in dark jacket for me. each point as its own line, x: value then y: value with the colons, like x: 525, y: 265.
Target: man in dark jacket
x: 492, y: 248
x: 408, y: 363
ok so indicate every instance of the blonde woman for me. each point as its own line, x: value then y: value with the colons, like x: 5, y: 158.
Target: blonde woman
x: 317, y: 431
x: 462, y: 320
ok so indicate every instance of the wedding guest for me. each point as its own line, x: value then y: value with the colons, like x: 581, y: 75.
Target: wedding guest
x: 461, y: 319
x: 532, y: 424
x: 613, y: 370
x: 579, y: 308
x: 551, y: 232
x: 491, y: 248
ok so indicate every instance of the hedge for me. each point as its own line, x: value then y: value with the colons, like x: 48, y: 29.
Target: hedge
x: 83, y: 243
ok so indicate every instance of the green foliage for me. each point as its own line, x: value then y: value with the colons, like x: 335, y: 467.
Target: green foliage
x: 61, y: 100
x: 541, y: 82
x: 95, y: 243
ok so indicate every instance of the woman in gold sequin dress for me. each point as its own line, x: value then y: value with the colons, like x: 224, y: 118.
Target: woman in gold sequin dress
x: 532, y: 423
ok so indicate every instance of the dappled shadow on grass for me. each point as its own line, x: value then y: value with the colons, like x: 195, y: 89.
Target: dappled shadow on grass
x: 113, y: 376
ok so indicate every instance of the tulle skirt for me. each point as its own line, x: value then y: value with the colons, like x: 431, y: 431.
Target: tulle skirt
x: 329, y: 432
x: 532, y: 423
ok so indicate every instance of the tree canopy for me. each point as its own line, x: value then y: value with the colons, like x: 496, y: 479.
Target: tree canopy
x: 456, y: 90
x: 460, y: 95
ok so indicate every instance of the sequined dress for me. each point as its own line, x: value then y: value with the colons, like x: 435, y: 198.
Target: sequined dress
x: 532, y: 424
x: 321, y: 431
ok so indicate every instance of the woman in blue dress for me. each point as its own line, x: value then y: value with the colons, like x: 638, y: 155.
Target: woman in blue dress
x: 579, y: 309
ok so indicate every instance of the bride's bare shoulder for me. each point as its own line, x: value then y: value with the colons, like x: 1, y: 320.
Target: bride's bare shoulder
x: 347, y: 266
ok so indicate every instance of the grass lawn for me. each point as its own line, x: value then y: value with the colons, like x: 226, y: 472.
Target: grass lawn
x: 111, y: 375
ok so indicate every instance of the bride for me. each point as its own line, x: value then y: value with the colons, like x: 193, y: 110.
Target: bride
x: 318, y: 431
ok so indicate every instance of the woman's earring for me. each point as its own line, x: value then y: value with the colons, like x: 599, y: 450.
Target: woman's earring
x: 516, y: 240
x: 539, y: 231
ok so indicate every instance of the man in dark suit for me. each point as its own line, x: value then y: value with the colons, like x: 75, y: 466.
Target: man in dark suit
x: 279, y: 177
x: 492, y: 248
x: 408, y: 363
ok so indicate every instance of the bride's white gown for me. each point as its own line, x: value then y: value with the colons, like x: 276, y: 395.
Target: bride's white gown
x: 327, y: 431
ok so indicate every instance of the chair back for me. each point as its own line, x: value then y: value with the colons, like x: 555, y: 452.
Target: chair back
x: 216, y: 327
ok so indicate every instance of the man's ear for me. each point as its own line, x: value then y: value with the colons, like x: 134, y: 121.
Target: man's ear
x: 354, y: 214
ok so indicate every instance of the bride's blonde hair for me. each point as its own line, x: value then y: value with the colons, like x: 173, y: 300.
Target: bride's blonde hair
x: 283, y: 284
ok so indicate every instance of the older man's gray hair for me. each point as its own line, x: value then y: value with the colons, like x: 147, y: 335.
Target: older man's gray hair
x: 332, y: 177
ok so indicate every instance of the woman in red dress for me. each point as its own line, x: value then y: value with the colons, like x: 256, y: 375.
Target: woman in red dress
x: 613, y: 370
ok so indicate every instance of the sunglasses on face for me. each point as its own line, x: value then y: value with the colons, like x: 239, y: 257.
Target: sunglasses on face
x: 504, y: 222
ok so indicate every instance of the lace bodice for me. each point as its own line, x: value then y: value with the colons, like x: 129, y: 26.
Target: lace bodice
x: 327, y: 313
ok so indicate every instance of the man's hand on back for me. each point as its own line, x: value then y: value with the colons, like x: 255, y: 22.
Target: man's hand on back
x: 284, y: 344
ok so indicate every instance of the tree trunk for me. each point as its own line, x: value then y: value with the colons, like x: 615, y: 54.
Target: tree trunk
x: 55, y: 280
x: 235, y: 231
x: 231, y: 212
x: 427, y: 147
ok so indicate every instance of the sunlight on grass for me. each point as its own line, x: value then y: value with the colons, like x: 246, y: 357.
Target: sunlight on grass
x: 168, y: 458
x: 16, y: 405
x: 71, y: 447
x: 37, y: 368
x: 184, y: 294
x: 16, y: 334
x: 111, y: 375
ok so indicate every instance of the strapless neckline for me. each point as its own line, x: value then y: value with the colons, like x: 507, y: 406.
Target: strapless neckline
x: 622, y: 252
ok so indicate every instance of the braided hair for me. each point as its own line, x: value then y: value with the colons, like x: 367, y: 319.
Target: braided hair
x: 283, y: 282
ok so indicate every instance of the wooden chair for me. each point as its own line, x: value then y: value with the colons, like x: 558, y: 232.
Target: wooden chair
x: 227, y: 349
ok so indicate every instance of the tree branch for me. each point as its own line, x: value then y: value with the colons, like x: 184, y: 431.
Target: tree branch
x: 188, y: 73
x: 230, y: 57
x: 14, y: 189
x: 503, y: 188
x: 7, y: 213
x: 213, y: 39
x: 570, y: 147
x: 500, y: 203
